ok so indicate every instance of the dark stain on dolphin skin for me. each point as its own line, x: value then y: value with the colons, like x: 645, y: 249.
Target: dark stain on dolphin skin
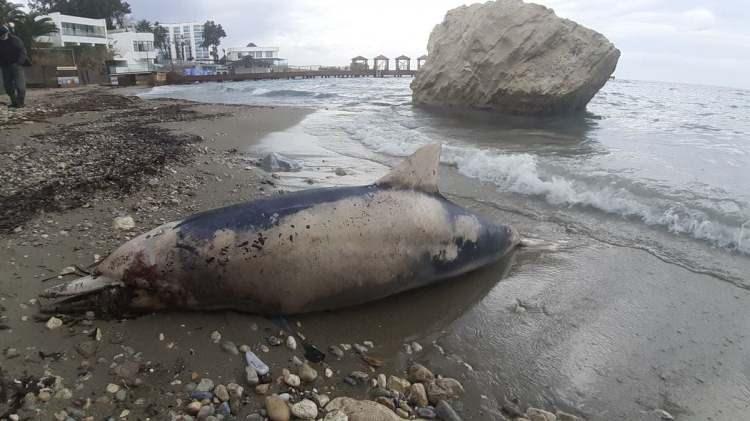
x: 259, y: 214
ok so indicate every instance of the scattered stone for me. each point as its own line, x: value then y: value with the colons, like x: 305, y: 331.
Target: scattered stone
x: 193, y: 408
x: 426, y: 413
x: 44, y: 395
x: 235, y: 390
x: 387, y: 402
x: 54, y: 323
x: 230, y: 347
x: 446, y: 412
x: 402, y: 413
x: 112, y: 388
x: 205, y: 385
x: 564, y: 416
x: 398, y: 384
x: 382, y: 381
x: 336, y: 351
x: 205, y: 412
x: 359, y: 376
x: 418, y: 395
x: 123, y: 223
x: 420, y: 373
x: 11, y: 353
x: 340, y: 172
x: 357, y: 410
x: 328, y: 373
x: 277, y: 409
x: 291, y: 379
x: 215, y: 337
x: 416, y: 347
x: 253, y: 361
x: 262, y: 389
x: 361, y: 348
x: 444, y: 389
x: 291, y: 343
x: 87, y: 349
x: 307, y: 374
x: 535, y: 414
x: 321, y: 400
x: 121, y: 395
x: 64, y: 394
x: 221, y: 392
x: 305, y: 410
x: 336, y: 415
x: 273, y: 341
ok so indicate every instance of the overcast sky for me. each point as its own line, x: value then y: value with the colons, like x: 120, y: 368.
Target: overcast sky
x: 695, y: 41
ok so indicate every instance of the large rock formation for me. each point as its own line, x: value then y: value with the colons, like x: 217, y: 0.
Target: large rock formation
x: 513, y: 57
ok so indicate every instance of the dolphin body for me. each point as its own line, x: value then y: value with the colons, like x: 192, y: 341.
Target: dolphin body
x: 306, y: 251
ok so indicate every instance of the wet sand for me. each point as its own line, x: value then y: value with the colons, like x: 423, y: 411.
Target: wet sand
x: 609, y: 332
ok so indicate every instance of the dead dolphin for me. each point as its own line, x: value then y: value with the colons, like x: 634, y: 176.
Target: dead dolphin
x: 310, y: 250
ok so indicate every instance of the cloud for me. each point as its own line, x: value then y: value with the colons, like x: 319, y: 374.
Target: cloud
x: 681, y: 40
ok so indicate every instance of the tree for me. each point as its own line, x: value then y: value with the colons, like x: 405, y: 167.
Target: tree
x: 9, y: 12
x: 30, y: 26
x: 212, y: 35
x: 113, y: 11
x: 161, y: 39
x: 144, y: 26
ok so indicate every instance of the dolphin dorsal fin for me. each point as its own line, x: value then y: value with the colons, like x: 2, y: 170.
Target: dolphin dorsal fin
x: 417, y: 172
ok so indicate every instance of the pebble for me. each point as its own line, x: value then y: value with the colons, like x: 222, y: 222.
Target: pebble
x: 273, y: 341
x: 251, y: 376
x: 262, y: 389
x: 402, y: 413
x: 296, y: 361
x: 64, y: 394
x: 215, y: 337
x: 123, y: 223
x: 205, y: 385
x: 201, y: 396
x: 54, y: 323
x: 291, y: 379
x: 335, y: 350
x: 369, y: 344
x: 305, y: 409
x: 205, y: 412
x: 418, y: 395
x: 387, y: 402
x: 45, y: 395
x: 121, y: 395
x: 350, y: 381
x: 87, y: 349
x: 382, y: 382
x: 446, y: 412
x: 444, y: 389
x: 420, y: 373
x: 253, y: 361
x: 307, y: 374
x: 277, y: 409
x: 427, y: 413
x: 112, y: 388
x: 535, y: 414
x: 664, y: 415
x: 328, y: 373
x: 397, y: 384
x: 416, y: 347
x: 359, y: 376
x: 224, y: 409
x: 230, y: 347
x: 12, y: 353
x: 340, y: 172
x: 361, y: 348
x: 235, y: 390
x: 221, y: 392
x: 564, y: 416
x: 336, y: 415
x: 291, y: 343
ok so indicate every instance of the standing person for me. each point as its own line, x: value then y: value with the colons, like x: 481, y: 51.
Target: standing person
x: 12, y: 57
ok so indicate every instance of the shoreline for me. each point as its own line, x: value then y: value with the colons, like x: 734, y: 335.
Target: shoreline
x: 179, y: 158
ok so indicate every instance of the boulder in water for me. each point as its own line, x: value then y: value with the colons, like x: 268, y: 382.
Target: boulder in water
x: 274, y: 162
x: 513, y: 57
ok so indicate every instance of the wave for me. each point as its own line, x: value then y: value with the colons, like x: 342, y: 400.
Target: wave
x: 519, y: 173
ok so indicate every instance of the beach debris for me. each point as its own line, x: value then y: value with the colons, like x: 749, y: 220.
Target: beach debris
x: 275, y: 162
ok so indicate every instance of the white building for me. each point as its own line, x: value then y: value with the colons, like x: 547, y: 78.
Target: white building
x: 184, y: 40
x: 237, y: 54
x: 73, y: 31
x: 134, y: 51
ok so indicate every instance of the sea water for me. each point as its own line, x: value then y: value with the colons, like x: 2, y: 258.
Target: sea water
x: 661, y: 166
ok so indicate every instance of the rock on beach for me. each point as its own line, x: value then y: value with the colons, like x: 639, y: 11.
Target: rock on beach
x: 513, y: 57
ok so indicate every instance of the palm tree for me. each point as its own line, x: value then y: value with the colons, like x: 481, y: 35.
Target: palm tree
x: 9, y: 12
x: 30, y: 26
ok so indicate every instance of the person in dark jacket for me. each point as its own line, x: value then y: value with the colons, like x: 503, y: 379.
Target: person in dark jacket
x: 12, y: 57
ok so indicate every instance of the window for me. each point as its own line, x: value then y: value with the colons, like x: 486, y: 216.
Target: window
x: 269, y: 54
x: 143, y: 46
x: 79, y: 30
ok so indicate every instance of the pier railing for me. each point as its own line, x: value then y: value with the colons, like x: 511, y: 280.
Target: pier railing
x: 179, y: 79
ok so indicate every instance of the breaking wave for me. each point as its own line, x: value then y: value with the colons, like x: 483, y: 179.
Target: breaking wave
x: 520, y: 173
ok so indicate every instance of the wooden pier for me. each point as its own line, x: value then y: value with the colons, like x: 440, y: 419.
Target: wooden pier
x: 179, y: 79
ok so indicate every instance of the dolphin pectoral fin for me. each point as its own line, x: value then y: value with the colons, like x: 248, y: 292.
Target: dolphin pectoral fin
x: 80, y: 287
x: 417, y: 172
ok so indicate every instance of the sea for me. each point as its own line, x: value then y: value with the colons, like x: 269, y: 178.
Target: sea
x: 661, y: 166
